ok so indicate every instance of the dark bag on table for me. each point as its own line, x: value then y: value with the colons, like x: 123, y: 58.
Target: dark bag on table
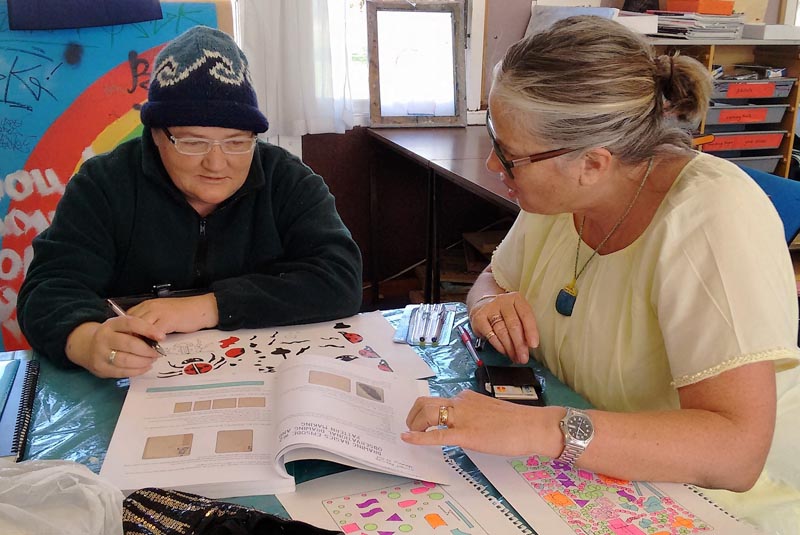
x: 154, y: 511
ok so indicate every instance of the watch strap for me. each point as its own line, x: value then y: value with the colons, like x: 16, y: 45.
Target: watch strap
x: 571, y: 453
x: 572, y: 448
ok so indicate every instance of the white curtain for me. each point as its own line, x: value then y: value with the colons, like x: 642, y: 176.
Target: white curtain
x: 298, y: 59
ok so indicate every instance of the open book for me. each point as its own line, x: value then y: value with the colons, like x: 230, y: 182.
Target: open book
x: 223, y: 435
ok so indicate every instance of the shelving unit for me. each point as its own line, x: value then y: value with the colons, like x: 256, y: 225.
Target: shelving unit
x: 753, y: 135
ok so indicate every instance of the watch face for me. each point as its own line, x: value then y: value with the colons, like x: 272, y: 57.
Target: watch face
x: 579, y: 427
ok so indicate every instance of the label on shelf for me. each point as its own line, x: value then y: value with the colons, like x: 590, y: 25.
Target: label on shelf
x: 751, y: 90
x: 739, y: 115
x: 759, y: 140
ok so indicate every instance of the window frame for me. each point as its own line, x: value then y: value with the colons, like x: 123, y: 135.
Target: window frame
x: 456, y: 9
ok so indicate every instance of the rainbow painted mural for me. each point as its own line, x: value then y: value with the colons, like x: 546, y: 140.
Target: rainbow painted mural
x: 66, y: 95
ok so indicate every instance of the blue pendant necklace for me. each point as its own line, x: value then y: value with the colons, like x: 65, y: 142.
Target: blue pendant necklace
x: 565, y: 300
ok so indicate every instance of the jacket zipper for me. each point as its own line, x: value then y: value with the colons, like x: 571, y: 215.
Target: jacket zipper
x: 200, y: 257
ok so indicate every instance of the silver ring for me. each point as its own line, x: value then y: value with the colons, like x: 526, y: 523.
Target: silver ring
x: 112, y: 356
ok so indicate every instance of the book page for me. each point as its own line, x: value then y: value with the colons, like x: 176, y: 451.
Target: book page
x: 558, y: 500
x: 206, y: 434
x: 368, y: 502
x: 352, y: 412
x: 364, y: 339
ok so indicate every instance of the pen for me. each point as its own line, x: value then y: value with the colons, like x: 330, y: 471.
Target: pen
x: 121, y: 313
x: 439, y: 324
x: 426, y: 316
x: 467, y: 339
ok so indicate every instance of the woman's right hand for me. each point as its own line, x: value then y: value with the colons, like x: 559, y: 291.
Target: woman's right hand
x: 508, y: 323
x: 114, y: 348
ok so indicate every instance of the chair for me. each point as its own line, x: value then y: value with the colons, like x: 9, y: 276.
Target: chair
x: 785, y: 195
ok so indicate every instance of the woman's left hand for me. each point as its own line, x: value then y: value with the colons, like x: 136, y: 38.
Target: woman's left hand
x: 179, y: 314
x: 482, y: 423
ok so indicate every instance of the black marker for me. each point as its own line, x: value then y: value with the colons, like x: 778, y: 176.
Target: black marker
x: 121, y: 313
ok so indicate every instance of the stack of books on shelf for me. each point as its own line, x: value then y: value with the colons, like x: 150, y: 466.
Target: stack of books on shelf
x: 687, y: 25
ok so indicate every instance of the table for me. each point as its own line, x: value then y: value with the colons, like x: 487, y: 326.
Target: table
x: 455, y: 154
x: 75, y: 412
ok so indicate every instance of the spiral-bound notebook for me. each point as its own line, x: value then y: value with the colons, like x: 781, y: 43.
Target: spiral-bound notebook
x: 17, y: 388
x: 358, y: 501
x: 560, y: 500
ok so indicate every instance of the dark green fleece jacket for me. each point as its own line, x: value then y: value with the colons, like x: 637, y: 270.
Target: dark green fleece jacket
x: 274, y: 253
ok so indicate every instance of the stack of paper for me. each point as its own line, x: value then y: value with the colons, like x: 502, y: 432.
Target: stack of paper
x: 687, y: 25
x: 771, y: 31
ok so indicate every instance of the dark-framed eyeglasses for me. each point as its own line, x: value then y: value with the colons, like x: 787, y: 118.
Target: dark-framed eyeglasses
x: 518, y: 162
x: 197, y: 146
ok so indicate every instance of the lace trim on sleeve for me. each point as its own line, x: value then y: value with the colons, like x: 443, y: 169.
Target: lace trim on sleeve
x: 771, y: 354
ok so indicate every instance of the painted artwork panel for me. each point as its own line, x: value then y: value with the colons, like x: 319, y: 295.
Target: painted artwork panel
x: 66, y: 95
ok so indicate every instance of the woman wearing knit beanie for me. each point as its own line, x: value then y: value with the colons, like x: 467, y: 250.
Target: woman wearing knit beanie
x: 208, y: 226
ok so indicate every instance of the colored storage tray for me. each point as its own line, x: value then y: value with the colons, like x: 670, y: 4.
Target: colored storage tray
x: 708, y: 7
x: 761, y: 163
x: 776, y: 88
x: 724, y: 141
x: 746, y: 114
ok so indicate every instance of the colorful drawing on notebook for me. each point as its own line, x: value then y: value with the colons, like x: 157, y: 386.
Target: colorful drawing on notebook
x: 416, y: 507
x: 594, y: 504
x: 263, y: 349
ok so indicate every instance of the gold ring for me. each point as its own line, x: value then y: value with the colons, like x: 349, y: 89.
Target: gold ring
x: 495, y: 319
x: 444, y: 415
x: 490, y: 335
x: 112, y: 356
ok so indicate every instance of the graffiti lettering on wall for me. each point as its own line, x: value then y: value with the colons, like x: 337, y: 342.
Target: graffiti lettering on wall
x: 66, y: 95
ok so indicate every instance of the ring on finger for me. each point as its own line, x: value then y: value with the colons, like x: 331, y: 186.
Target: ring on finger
x: 490, y: 335
x: 444, y: 415
x: 112, y: 356
x: 497, y: 318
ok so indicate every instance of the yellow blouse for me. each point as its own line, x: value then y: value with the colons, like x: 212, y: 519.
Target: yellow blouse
x: 709, y: 286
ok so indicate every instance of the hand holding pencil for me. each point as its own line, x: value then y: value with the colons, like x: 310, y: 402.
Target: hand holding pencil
x: 121, y: 346
x: 149, y: 341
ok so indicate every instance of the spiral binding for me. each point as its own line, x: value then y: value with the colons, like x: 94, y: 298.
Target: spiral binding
x: 25, y: 410
x: 718, y: 507
x: 513, y: 519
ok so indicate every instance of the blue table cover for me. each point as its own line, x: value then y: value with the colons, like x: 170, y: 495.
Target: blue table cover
x: 74, y: 413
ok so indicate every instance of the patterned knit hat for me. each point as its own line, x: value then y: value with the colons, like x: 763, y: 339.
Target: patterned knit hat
x: 201, y: 78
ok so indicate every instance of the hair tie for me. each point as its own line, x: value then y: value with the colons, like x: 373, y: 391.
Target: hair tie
x: 671, y: 69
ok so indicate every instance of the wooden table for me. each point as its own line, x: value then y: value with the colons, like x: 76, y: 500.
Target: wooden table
x: 455, y: 154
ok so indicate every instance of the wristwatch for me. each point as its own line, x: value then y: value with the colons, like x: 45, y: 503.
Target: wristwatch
x: 578, y: 432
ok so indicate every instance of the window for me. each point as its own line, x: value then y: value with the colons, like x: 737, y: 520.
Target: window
x: 416, y: 62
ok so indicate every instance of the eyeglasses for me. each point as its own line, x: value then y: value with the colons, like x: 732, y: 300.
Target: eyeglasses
x: 517, y: 162
x: 196, y: 146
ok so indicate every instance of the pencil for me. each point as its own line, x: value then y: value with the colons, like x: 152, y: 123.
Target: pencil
x: 121, y: 313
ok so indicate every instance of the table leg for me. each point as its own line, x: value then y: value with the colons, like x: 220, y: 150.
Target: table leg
x: 432, y: 281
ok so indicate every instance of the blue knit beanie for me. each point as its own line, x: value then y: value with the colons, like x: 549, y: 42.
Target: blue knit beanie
x: 201, y: 78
